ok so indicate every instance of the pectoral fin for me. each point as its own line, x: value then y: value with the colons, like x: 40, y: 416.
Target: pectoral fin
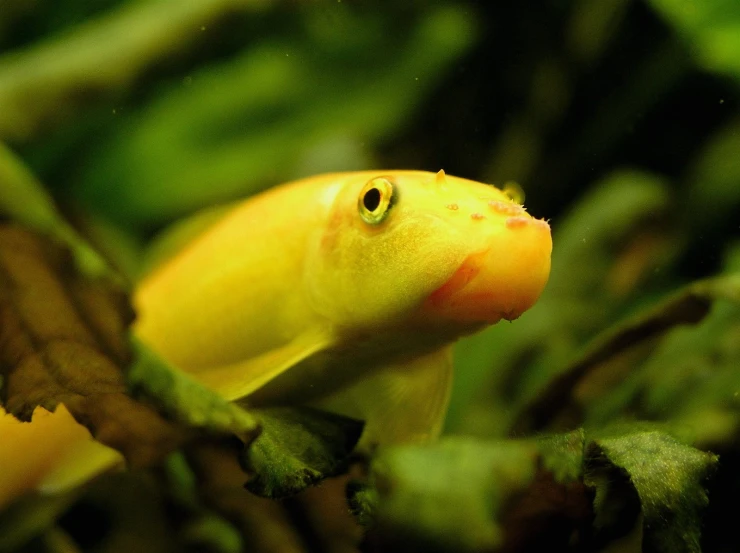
x: 52, y: 454
x: 403, y: 402
x: 240, y: 379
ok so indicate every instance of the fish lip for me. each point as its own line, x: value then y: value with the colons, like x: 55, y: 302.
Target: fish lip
x: 501, y: 272
x: 465, y: 273
x: 494, y: 283
x: 450, y: 298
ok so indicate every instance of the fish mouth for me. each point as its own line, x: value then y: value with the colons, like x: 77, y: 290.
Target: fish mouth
x: 500, y: 281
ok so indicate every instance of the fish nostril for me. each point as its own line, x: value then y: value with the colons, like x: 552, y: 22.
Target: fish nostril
x: 505, y: 208
x: 477, y: 216
x: 517, y: 222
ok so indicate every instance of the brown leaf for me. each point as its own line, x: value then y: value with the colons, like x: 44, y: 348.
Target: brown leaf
x: 63, y: 340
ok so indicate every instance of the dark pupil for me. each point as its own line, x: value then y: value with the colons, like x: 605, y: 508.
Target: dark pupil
x: 371, y: 199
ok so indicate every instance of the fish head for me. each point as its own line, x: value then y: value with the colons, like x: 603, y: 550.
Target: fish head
x: 431, y: 247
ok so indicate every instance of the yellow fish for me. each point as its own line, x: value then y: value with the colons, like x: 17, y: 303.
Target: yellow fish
x: 342, y: 292
x: 345, y: 292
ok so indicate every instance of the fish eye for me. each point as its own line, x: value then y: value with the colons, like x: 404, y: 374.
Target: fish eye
x: 375, y: 200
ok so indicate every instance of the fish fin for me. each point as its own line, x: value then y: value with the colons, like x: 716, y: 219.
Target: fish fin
x: 403, y: 402
x: 51, y: 454
x: 87, y: 460
x: 237, y: 380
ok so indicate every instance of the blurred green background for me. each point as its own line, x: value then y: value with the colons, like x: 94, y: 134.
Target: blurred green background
x: 620, y: 119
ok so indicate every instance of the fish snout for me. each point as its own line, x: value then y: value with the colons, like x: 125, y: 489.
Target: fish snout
x: 505, y: 278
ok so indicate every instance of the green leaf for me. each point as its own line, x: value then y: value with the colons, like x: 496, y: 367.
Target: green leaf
x: 712, y: 191
x: 363, y: 502
x: 180, y: 398
x: 30, y: 516
x: 468, y: 495
x: 668, y: 479
x: 297, y: 448
x: 559, y: 405
x: 690, y: 379
x: 103, y: 57
x: 259, y: 118
x: 24, y: 200
x: 711, y: 29
x: 553, y: 492
x: 562, y: 455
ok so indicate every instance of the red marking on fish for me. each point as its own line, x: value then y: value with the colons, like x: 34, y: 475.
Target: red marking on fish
x: 466, y: 272
x: 517, y: 222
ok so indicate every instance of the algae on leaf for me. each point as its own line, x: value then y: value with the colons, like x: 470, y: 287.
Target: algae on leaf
x: 556, y: 491
x: 668, y: 479
x: 184, y: 400
x: 298, y: 447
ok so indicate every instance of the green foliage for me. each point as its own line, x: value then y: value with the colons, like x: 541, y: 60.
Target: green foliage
x: 667, y: 476
x: 183, y: 399
x: 298, y: 447
x: 621, y: 126
x: 467, y: 495
x: 24, y: 200
x: 433, y: 493
x: 271, y: 114
x: 711, y: 28
x: 30, y: 517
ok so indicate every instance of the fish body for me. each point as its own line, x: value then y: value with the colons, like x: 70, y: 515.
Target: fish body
x: 344, y: 291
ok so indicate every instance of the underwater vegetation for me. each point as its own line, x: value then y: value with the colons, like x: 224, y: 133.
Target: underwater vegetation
x: 604, y: 418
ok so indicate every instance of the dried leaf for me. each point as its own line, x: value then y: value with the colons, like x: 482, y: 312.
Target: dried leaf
x: 63, y: 340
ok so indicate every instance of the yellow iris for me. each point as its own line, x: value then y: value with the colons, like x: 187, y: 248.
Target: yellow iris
x: 375, y: 200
